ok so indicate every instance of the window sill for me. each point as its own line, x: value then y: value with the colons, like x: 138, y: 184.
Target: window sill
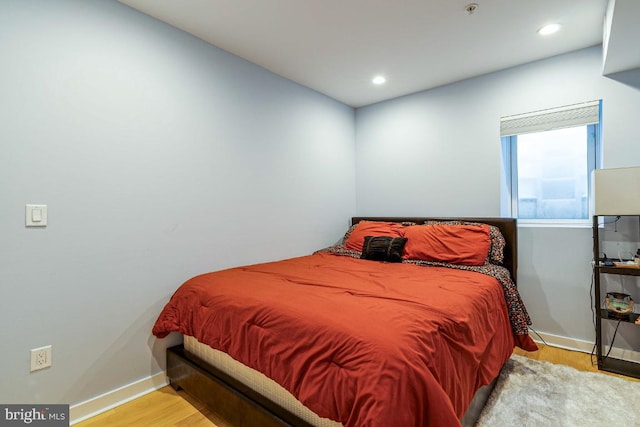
x: 555, y: 223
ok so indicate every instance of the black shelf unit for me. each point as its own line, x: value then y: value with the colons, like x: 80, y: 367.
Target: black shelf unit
x: 608, y: 363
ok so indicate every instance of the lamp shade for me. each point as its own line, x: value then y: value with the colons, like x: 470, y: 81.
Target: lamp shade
x: 616, y: 191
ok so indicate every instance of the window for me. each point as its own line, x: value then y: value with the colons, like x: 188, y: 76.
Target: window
x: 548, y: 159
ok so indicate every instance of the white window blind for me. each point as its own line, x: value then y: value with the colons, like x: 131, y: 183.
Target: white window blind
x: 586, y: 113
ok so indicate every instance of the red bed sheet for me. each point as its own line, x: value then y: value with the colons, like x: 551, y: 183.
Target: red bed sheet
x: 361, y: 342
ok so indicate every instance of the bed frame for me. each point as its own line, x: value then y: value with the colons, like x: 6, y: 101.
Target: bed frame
x: 240, y: 406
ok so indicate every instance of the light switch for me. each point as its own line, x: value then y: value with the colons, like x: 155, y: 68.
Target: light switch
x: 36, y: 215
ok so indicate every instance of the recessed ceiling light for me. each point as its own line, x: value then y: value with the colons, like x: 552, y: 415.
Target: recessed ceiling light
x: 549, y: 29
x: 378, y: 80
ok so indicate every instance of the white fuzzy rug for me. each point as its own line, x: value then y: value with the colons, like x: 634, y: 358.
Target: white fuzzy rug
x: 531, y: 393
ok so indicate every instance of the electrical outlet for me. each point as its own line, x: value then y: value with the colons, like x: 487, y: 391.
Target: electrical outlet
x: 40, y: 358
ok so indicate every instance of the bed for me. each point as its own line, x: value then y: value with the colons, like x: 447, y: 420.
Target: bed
x: 406, y: 321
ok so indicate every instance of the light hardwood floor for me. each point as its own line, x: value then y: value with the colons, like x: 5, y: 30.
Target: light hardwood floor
x: 166, y: 407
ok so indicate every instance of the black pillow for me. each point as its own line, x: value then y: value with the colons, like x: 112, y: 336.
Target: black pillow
x: 383, y: 248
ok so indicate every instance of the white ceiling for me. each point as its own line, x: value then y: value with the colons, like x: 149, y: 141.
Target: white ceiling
x: 337, y: 46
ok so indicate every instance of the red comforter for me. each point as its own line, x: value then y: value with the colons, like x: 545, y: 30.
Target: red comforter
x: 361, y: 342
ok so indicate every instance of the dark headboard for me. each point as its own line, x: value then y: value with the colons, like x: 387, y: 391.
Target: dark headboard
x: 508, y: 227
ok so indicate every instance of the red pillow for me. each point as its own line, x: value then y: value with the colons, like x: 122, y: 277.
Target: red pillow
x: 454, y: 244
x: 355, y: 240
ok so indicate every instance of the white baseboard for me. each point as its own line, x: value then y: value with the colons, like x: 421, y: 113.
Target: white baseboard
x: 563, y: 342
x: 585, y: 346
x: 109, y: 400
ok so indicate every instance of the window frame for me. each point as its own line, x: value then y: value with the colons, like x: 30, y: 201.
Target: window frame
x: 510, y: 192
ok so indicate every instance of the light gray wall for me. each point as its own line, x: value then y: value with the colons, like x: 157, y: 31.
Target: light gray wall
x: 160, y: 157
x: 438, y: 153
